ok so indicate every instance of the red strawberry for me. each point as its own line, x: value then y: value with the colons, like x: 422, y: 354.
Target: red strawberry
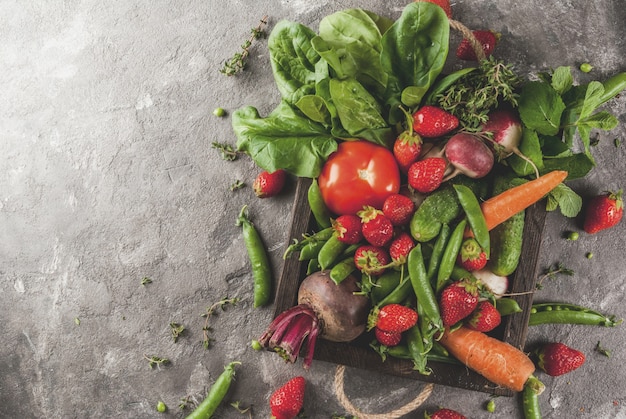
x: 488, y: 40
x: 375, y: 226
x: 348, y: 229
x: 371, y: 259
x: 286, y: 402
x: 603, y: 211
x: 407, y: 149
x: 471, y: 256
x: 485, y: 318
x: 458, y: 300
x: 431, y: 122
x: 557, y: 358
x: 396, y: 318
x: 399, y: 209
x: 426, y: 175
x: 269, y: 184
x: 444, y: 4
x: 387, y: 338
x: 400, y: 247
x: 446, y: 414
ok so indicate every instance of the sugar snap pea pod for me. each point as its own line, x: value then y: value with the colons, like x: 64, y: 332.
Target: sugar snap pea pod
x: 400, y: 293
x: 506, y: 306
x: 216, y: 394
x: 437, y: 253
x: 428, y: 309
x: 548, y: 313
x: 416, y: 349
x: 475, y: 216
x: 330, y: 252
x: 261, y: 269
x: 385, y: 284
x: 530, y: 398
x: 317, y: 205
x: 449, y: 254
x: 342, y: 270
x: 311, y: 250
x: 312, y: 266
x: 402, y: 352
x: 459, y: 273
x: 298, y: 245
x: 613, y: 86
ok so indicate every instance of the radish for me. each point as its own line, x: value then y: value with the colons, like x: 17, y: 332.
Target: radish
x: 469, y: 156
x: 327, y: 310
x: 505, y: 129
x: 498, y: 285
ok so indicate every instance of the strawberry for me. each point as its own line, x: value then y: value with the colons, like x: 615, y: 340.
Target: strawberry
x: 269, y: 184
x: 387, y: 338
x: 348, y: 228
x: 458, y: 300
x: 426, y: 175
x: 471, y: 256
x: 603, y: 211
x: 371, y: 259
x: 431, y: 122
x: 287, y: 401
x: 375, y: 226
x: 396, y: 318
x: 485, y: 318
x: 445, y: 414
x: 557, y: 358
x: 400, y: 247
x: 407, y: 149
x: 399, y: 209
x: 444, y: 4
x: 488, y: 39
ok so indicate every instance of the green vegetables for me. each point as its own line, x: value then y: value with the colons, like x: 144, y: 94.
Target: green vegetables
x: 348, y: 80
x: 216, y: 393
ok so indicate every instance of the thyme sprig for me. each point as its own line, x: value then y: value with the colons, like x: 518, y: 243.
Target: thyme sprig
x: 237, y: 62
x: 211, y: 311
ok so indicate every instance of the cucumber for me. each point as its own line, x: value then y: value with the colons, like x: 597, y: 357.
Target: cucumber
x: 506, y: 239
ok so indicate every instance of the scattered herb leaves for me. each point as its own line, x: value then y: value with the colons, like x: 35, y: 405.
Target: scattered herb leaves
x: 237, y: 62
x: 156, y: 361
x: 145, y: 280
x: 237, y: 185
x: 602, y: 350
x: 227, y: 151
x: 177, y: 330
x: 552, y: 272
x: 211, y: 311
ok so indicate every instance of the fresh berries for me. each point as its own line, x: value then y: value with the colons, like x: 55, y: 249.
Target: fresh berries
x: 396, y: 318
x: 371, y: 260
x: 444, y: 4
x: 400, y: 247
x: 557, y: 358
x: 375, y: 226
x: 287, y: 401
x: 348, y: 228
x: 485, y: 318
x: 269, y: 184
x: 445, y: 414
x: 458, y: 300
x: 603, y: 211
x: 426, y: 175
x: 407, y: 149
x: 487, y: 39
x: 399, y: 209
x: 387, y: 338
x: 471, y: 256
x: 432, y: 122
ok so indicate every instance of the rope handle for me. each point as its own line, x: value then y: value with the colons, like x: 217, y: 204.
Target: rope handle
x: 467, y: 34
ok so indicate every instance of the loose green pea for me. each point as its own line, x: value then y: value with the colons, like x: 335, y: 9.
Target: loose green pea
x: 219, y: 112
x: 161, y: 407
x: 573, y: 236
x: 256, y: 345
x: 491, y: 406
x: 589, y: 255
x: 586, y: 67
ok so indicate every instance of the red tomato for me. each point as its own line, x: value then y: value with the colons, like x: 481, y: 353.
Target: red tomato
x: 359, y: 173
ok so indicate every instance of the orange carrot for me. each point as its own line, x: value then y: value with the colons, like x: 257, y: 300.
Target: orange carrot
x: 499, y: 362
x: 501, y: 207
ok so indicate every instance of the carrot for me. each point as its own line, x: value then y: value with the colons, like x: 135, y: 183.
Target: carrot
x: 498, y: 361
x: 503, y: 206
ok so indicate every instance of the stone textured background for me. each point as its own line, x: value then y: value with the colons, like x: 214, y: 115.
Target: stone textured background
x: 107, y: 176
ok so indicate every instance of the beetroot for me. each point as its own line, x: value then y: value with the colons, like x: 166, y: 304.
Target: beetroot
x: 325, y: 309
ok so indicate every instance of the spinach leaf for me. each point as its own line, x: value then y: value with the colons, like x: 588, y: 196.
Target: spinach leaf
x: 293, y: 60
x: 285, y: 139
x: 541, y: 107
x: 577, y: 165
x: 415, y: 50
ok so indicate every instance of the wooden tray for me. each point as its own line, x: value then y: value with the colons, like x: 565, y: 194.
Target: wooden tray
x: 513, y: 329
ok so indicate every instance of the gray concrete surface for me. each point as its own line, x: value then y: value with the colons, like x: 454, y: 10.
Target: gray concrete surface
x: 107, y: 176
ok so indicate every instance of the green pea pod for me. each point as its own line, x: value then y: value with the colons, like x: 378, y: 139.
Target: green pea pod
x: 311, y: 250
x: 399, y: 294
x: 342, y: 270
x: 216, y: 394
x: 613, y: 86
x: 449, y: 254
x: 317, y: 205
x: 330, y: 252
x: 530, y: 398
x: 437, y: 253
x: 506, y: 306
x: 475, y: 216
x: 416, y: 349
x: 298, y: 245
x: 313, y: 266
x: 385, y: 284
x: 557, y: 313
x: 259, y: 260
x: 428, y: 308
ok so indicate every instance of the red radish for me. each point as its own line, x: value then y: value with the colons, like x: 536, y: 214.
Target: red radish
x: 327, y: 310
x: 506, y: 128
x: 469, y: 156
x: 498, y: 285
